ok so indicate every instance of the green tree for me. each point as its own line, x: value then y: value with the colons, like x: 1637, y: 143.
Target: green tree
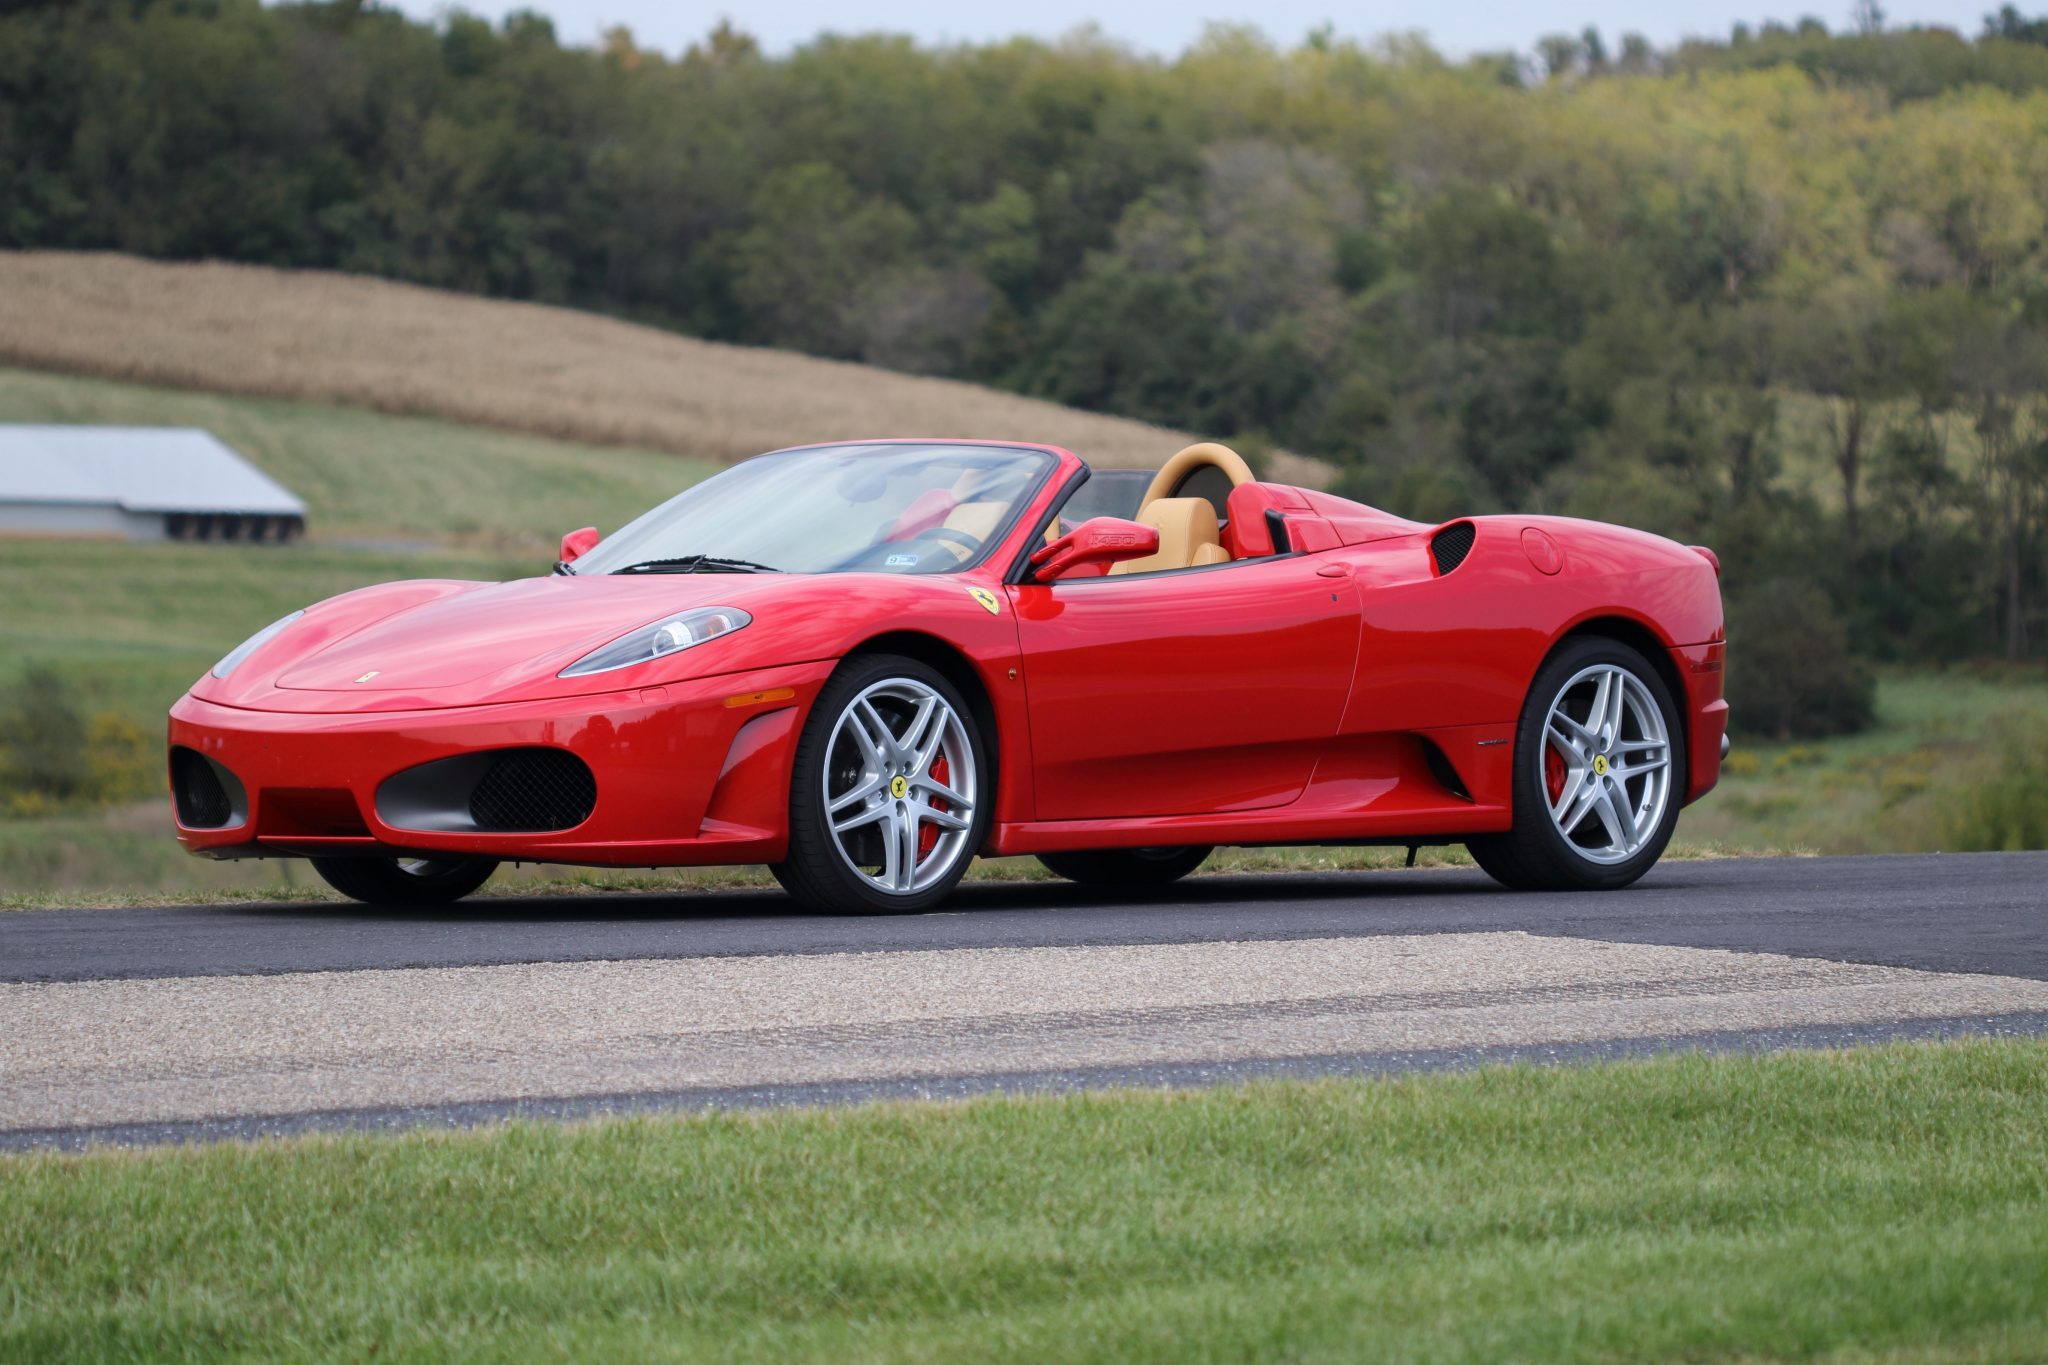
x: 813, y: 242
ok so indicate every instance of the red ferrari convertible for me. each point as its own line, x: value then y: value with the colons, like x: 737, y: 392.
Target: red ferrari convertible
x: 863, y: 664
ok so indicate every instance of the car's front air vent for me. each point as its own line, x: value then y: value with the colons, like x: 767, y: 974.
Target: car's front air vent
x: 533, y: 790
x: 202, y: 798
x: 1450, y: 545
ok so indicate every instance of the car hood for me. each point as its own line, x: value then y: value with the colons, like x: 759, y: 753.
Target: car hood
x: 424, y: 645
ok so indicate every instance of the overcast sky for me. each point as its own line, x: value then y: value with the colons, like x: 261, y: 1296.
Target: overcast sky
x: 1166, y: 26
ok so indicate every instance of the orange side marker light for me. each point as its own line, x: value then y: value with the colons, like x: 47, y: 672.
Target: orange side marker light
x: 756, y: 698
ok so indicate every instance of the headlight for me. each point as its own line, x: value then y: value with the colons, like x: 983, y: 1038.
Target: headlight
x: 252, y: 644
x: 663, y: 637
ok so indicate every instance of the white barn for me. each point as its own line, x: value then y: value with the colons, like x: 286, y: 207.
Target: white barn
x: 138, y: 483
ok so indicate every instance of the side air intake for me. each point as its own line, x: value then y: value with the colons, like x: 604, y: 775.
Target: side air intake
x: 207, y: 795
x: 1449, y: 546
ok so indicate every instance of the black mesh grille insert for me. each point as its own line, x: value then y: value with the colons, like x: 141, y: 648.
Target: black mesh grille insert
x: 533, y: 790
x: 1452, y: 544
x: 201, y: 799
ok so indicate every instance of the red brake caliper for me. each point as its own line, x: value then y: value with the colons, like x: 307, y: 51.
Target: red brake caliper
x: 928, y: 834
x: 1553, y: 772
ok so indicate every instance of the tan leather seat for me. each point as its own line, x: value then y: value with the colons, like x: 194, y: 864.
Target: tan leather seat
x: 977, y: 519
x: 1187, y: 536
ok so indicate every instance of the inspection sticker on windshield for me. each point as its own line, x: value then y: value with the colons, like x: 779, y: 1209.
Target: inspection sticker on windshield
x: 987, y: 599
x: 899, y: 561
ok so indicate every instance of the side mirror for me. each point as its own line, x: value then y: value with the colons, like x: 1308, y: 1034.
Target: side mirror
x: 1090, y: 548
x: 577, y: 544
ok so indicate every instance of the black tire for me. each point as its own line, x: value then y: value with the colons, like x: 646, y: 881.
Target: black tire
x: 405, y: 881
x: 1127, y: 867
x: 815, y: 872
x: 1535, y: 855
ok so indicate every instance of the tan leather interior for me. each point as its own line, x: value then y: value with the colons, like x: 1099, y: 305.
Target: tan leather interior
x: 977, y: 519
x: 1187, y: 536
x: 1187, y: 461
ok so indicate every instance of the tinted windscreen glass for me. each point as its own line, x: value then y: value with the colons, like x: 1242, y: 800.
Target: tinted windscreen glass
x: 919, y: 509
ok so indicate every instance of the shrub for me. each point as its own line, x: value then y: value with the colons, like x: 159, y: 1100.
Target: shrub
x: 2010, y: 811
x: 1790, y: 672
x: 120, y: 762
x: 42, y: 737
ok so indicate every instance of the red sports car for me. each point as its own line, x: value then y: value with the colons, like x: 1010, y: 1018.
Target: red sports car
x: 863, y: 664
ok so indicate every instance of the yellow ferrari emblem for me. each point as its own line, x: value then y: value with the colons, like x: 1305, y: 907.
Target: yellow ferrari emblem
x: 1600, y: 765
x: 367, y: 676
x: 899, y: 786
x: 987, y: 599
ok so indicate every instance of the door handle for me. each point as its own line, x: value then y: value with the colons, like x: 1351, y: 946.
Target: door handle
x: 1333, y: 570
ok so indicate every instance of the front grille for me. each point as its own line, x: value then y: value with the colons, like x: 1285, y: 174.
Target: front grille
x: 201, y: 799
x: 533, y: 790
x: 1450, y: 545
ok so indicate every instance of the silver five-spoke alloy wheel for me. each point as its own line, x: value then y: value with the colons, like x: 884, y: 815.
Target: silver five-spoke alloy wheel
x: 900, y: 786
x: 1605, y: 763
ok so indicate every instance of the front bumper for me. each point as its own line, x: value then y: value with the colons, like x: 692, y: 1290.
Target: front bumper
x: 687, y: 774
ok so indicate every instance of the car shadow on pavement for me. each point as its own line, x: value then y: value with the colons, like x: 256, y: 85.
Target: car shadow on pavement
x: 970, y: 898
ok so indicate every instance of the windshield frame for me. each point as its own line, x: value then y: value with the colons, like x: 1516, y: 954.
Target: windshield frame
x: 1053, y: 465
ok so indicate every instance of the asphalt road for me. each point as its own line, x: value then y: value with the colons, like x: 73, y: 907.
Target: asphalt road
x: 180, y: 1023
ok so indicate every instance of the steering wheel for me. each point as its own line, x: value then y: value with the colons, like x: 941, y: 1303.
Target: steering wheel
x: 1202, y: 454
x: 961, y: 543
x: 968, y: 546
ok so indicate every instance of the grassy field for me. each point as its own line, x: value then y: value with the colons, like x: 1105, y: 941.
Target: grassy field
x: 1887, y: 790
x: 553, y: 372
x: 1878, y: 1205
x: 365, y: 475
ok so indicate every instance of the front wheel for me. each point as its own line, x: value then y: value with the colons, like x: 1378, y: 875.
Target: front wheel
x: 1599, y: 774
x: 1126, y: 867
x: 891, y: 791
x: 405, y: 881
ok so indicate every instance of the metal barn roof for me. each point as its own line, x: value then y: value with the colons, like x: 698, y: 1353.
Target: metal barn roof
x: 140, y: 469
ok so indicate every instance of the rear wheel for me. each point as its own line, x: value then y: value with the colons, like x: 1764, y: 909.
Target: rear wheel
x: 1126, y: 866
x: 1599, y: 773
x: 405, y: 881
x: 890, y: 797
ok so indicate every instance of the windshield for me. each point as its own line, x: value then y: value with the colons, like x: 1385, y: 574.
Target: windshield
x: 916, y: 509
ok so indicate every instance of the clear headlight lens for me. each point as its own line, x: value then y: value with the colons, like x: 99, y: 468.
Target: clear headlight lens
x: 678, y: 632
x: 249, y: 646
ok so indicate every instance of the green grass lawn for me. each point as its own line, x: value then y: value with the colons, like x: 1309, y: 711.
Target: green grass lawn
x: 1879, y: 1205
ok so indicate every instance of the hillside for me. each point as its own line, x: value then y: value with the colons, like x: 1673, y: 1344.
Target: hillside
x: 370, y: 476
x: 396, y: 348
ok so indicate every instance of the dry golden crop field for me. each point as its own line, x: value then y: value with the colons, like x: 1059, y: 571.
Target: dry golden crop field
x: 525, y: 367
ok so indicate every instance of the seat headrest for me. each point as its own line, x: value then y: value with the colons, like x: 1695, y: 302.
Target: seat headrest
x: 1185, y: 526
x: 1187, y: 461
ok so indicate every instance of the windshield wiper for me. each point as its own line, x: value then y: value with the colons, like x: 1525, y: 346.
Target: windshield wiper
x: 698, y: 564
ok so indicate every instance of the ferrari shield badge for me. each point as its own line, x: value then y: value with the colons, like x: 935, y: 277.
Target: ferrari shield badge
x: 987, y: 599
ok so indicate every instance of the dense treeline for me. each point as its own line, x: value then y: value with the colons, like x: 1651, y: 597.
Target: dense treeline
x: 1787, y: 294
